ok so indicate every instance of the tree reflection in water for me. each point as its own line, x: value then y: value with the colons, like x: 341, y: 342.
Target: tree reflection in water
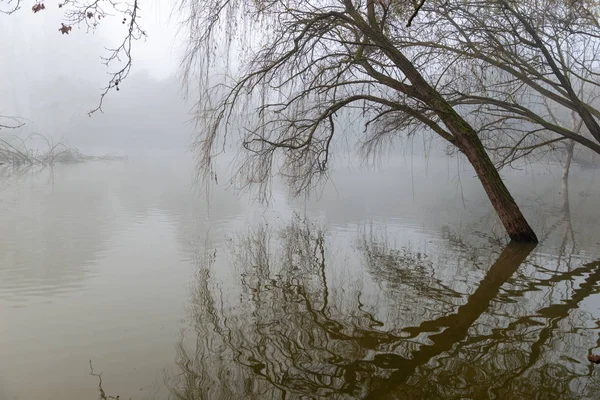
x: 518, y: 334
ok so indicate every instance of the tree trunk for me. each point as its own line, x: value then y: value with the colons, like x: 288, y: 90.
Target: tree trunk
x: 513, y: 220
x: 467, y: 140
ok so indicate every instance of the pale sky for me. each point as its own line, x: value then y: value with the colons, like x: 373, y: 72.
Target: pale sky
x: 36, y: 40
x: 51, y: 81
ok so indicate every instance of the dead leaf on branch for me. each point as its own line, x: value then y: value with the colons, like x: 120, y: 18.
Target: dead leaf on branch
x: 38, y: 7
x: 65, y: 29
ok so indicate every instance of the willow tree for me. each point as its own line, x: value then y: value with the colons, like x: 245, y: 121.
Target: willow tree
x: 304, y: 66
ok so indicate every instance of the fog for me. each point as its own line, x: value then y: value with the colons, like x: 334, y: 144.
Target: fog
x: 130, y: 277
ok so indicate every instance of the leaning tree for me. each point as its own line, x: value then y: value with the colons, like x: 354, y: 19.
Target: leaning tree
x: 305, y: 65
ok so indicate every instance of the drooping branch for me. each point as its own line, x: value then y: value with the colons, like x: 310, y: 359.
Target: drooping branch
x: 515, y: 58
x: 586, y: 116
x: 123, y: 51
x: 316, y: 65
x: 10, y: 122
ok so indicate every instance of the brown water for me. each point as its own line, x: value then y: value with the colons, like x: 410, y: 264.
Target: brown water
x: 393, y: 284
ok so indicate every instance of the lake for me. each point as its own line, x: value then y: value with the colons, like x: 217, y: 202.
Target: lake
x: 124, y: 279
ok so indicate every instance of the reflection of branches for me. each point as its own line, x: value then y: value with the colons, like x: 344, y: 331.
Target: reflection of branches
x: 289, y: 339
x: 102, y: 394
x: 291, y: 334
x: 559, y: 311
x: 564, y: 216
x: 404, y: 268
x: 531, y: 373
x: 493, y: 347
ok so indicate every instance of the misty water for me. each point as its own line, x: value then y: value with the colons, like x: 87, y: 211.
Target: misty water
x: 389, y: 283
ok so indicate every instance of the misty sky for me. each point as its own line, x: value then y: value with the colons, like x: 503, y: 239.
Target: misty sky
x: 53, y: 80
x: 37, y: 39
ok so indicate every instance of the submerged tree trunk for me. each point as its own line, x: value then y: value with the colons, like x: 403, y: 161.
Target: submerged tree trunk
x: 468, y: 142
x: 513, y: 220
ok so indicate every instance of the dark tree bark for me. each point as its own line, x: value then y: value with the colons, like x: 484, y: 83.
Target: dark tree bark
x: 511, y: 216
x: 470, y: 145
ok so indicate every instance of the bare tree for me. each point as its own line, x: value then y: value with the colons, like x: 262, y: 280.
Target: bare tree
x: 313, y: 62
x: 471, y: 72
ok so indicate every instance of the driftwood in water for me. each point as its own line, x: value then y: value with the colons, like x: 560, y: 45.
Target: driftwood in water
x: 14, y: 151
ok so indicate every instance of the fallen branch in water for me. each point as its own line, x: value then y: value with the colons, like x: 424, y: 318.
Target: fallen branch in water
x: 15, y: 152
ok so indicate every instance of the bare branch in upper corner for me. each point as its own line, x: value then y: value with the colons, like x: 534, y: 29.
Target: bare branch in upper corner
x: 90, y: 14
x: 121, y: 52
x: 418, y: 7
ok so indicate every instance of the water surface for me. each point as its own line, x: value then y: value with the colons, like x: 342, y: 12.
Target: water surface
x: 393, y: 283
